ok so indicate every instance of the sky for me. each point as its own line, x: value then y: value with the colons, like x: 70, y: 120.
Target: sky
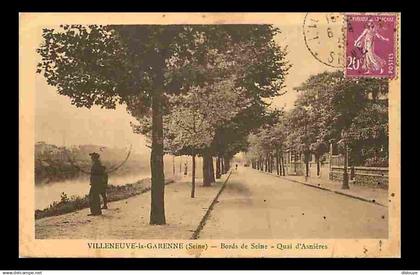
x: 58, y: 122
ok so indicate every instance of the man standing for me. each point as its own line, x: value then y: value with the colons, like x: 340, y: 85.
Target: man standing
x: 96, y: 185
x: 103, y: 188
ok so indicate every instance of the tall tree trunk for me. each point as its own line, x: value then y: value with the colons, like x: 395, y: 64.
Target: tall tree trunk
x: 193, y: 177
x: 222, y: 163
x: 157, y: 210
x: 277, y: 162
x: 307, y: 165
x: 318, y: 168
x: 266, y: 163
x: 226, y: 161
x: 271, y: 162
x: 218, y: 172
x: 185, y: 169
x: 211, y: 164
x: 173, y: 165
x: 282, y: 165
x: 352, y: 172
x: 206, y: 169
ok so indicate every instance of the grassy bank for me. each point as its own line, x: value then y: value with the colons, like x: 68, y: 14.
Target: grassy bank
x: 114, y: 193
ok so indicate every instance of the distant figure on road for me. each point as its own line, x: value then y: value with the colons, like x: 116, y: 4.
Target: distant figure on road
x: 236, y: 167
x: 97, y: 173
x: 185, y: 169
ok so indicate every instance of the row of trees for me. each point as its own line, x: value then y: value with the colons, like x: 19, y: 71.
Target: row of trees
x: 195, y: 90
x: 330, y: 108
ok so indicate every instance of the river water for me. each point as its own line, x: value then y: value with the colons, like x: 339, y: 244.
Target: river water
x: 47, y: 193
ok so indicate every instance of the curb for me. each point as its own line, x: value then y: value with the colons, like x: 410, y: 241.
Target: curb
x: 206, y: 216
x: 327, y: 189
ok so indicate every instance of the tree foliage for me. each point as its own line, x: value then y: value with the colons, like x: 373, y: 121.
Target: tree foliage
x: 329, y: 108
x: 144, y: 66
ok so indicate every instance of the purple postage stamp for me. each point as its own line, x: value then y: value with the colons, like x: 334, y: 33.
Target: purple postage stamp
x: 371, y: 45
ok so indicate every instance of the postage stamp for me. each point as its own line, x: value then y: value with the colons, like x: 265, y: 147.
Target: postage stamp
x: 371, y: 45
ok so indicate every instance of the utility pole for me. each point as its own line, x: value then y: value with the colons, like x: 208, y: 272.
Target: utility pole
x: 331, y: 152
x: 346, y: 164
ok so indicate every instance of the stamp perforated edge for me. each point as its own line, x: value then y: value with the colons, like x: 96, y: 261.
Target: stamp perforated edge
x: 396, y: 43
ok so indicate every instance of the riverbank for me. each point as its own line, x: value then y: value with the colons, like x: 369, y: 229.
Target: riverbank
x: 114, y: 193
x: 129, y: 218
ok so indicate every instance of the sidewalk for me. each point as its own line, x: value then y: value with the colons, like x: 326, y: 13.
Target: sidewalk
x: 129, y: 219
x: 370, y: 194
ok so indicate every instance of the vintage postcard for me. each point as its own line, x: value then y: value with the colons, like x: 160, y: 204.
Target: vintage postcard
x: 209, y: 135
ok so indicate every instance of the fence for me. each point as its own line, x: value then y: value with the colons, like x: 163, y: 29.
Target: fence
x: 337, y: 160
x: 334, y: 169
x: 370, y: 176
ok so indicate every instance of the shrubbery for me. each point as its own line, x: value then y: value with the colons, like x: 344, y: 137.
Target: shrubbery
x: 114, y: 193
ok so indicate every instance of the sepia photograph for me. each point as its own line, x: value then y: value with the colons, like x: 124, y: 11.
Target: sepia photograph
x: 209, y: 135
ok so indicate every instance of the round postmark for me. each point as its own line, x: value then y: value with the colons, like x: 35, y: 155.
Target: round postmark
x: 324, y: 37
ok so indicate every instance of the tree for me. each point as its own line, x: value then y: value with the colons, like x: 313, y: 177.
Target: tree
x: 261, y: 75
x: 318, y: 148
x: 109, y: 65
x: 302, y: 132
x: 258, y: 67
x: 357, y: 107
x: 278, y: 140
x: 328, y: 106
x: 369, y: 135
x: 266, y: 145
x: 191, y: 125
x: 139, y: 65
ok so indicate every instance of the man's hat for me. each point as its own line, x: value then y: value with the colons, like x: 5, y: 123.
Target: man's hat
x: 94, y: 155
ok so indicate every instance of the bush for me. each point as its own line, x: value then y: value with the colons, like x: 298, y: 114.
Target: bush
x: 75, y: 203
